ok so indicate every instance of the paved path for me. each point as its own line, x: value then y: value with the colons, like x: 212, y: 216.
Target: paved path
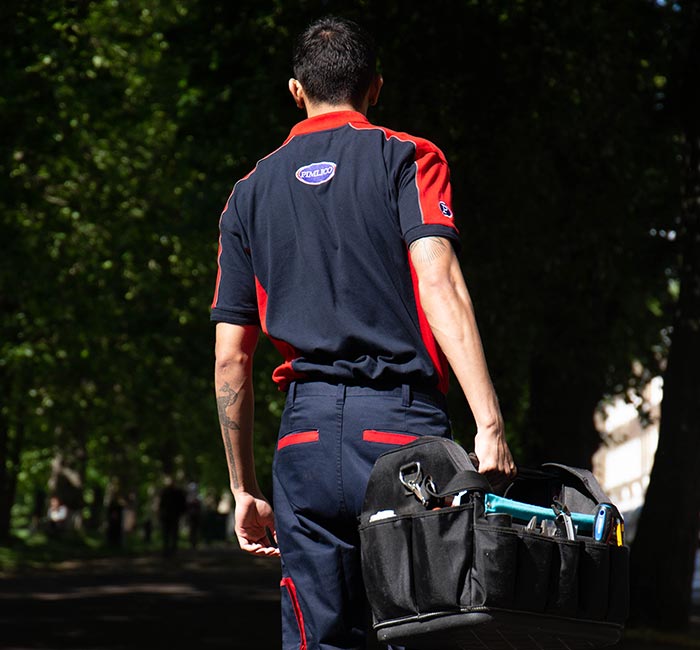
x: 205, y: 600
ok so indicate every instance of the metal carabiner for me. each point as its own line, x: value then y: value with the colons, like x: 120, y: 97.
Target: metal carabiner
x: 411, y: 477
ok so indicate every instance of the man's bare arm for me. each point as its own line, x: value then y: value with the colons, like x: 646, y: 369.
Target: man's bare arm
x: 448, y: 308
x: 235, y: 347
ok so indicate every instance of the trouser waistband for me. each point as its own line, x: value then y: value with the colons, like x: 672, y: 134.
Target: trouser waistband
x: 327, y: 389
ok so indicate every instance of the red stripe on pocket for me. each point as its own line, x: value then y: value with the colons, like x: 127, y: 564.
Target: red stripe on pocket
x: 298, y: 438
x: 370, y: 435
x: 288, y: 584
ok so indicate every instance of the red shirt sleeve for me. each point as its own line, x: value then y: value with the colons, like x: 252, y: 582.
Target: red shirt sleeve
x: 425, y: 195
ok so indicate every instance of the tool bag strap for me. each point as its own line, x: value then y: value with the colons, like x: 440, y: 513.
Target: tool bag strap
x: 465, y: 480
x: 586, y: 477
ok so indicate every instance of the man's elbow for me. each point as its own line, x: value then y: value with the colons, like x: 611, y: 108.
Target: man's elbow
x: 437, y: 288
x: 234, y: 348
x: 232, y: 361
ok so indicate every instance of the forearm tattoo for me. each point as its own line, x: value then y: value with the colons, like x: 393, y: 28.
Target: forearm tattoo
x: 228, y: 397
x: 428, y: 249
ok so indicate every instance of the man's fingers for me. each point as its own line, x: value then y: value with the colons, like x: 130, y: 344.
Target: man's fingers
x: 258, y: 549
x: 500, y: 472
x: 505, y: 469
x: 263, y: 545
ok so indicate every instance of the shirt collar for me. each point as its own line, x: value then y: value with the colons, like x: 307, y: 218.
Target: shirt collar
x: 327, y: 121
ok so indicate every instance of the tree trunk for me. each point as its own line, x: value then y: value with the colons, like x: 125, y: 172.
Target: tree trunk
x: 667, y: 538
x: 664, y: 549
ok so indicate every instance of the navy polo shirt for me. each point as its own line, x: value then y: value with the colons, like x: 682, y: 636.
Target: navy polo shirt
x: 314, y: 248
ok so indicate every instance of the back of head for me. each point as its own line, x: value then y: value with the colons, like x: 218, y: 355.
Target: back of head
x: 335, y: 61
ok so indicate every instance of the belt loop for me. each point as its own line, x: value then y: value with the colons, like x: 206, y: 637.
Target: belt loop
x: 405, y: 395
x: 293, y: 391
x: 340, y: 394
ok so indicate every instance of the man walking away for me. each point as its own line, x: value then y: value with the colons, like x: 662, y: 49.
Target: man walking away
x: 340, y: 245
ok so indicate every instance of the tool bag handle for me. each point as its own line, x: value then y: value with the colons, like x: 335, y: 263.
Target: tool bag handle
x: 465, y: 480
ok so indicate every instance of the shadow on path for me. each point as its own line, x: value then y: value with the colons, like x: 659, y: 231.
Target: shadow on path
x: 208, y: 599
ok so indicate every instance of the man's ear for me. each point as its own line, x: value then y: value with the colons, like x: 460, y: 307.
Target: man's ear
x: 374, y: 90
x: 297, y: 92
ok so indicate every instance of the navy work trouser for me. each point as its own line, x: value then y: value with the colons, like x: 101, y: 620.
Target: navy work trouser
x: 330, y: 436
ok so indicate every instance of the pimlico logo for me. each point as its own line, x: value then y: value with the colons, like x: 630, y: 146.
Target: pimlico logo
x: 316, y: 173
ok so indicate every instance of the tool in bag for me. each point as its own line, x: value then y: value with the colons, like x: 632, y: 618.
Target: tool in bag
x: 450, y: 565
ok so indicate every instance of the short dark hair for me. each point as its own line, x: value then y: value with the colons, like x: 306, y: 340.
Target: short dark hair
x: 335, y: 60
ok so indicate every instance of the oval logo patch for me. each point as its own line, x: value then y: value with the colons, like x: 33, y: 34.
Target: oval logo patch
x: 316, y: 173
x: 444, y: 208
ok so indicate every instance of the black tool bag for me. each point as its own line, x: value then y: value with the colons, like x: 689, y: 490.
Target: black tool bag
x: 484, y: 573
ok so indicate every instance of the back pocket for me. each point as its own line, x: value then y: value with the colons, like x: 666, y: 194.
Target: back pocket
x: 388, y: 437
x: 297, y: 438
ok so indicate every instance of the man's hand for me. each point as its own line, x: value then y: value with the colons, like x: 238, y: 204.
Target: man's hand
x: 253, y: 519
x: 495, y: 460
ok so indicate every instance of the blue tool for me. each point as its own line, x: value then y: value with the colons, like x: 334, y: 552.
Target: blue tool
x: 603, y: 526
x: 523, y: 512
x: 609, y: 526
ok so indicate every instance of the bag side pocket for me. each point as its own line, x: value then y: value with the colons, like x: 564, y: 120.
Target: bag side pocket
x: 387, y: 555
x: 563, y: 585
x: 442, y: 555
x: 594, y: 577
x: 533, y: 572
x: 619, y: 594
x: 494, y: 566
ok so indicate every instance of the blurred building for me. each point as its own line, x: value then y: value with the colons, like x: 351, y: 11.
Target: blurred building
x: 623, y: 462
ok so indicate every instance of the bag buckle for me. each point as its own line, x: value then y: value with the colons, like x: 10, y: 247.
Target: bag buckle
x: 411, y: 477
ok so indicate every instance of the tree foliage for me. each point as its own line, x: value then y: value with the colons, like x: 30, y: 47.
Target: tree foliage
x: 547, y: 116
x: 124, y: 125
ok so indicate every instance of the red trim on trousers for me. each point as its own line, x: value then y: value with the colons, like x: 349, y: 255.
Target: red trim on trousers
x: 288, y: 584
x: 387, y: 438
x: 298, y: 438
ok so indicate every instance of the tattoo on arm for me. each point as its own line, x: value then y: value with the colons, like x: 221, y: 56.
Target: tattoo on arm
x: 428, y: 249
x: 225, y: 398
